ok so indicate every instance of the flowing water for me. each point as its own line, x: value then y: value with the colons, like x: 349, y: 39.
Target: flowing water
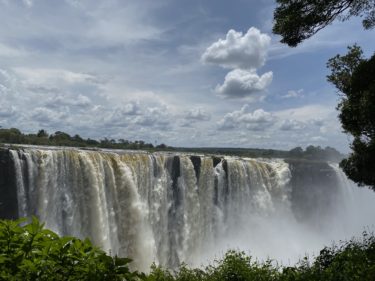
x: 172, y: 208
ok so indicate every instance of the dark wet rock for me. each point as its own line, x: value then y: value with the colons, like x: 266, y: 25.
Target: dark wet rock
x: 8, y: 187
x: 196, y: 160
x: 314, y: 187
x: 215, y: 161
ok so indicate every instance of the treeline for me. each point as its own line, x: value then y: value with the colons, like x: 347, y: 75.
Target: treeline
x: 31, y: 252
x: 59, y: 138
x: 310, y: 153
x: 316, y: 153
x: 15, y: 136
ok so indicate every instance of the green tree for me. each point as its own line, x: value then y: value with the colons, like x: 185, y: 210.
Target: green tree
x: 297, y: 20
x: 42, y: 134
x: 31, y: 252
x: 354, y: 77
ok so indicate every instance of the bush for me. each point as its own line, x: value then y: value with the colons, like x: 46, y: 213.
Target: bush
x: 31, y: 252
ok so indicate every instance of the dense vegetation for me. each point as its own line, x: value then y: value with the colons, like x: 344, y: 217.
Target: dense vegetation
x: 14, y: 136
x: 354, y: 77
x: 31, y: 252
x: 351, y: 74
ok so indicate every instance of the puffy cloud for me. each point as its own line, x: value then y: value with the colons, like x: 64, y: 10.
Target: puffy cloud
x: 47, y: 117
x: 244, y: 53
x: 238, y: 50
x: 198, y: 114
x: 242, y: 83
x: 291, y: 124
x: 154, y: 117
x: 257, y: 120
x: 293, y: 94
x: 133, y: 114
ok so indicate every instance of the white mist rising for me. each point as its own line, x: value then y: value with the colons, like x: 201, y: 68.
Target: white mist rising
x: 180, y: 208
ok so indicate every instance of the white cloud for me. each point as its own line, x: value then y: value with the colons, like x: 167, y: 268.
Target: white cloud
x: 242, y: 83
x: 120, y: 115
x: 256, y: 120
x: 136, y: 116
x: 7, y: 80
x: 238, y: 50
x: 28, y: 3
x: 293, y: 94
x: 153, y: 117
x: 291, y: 124
x: 6, y: 51
x: 307, y: 113
x: 53, y: 77
x: 198, y: 114
x: 244, y: 53
x: 47, y: 117
x: 65, y: 100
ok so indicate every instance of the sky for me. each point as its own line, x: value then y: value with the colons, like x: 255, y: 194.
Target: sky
x: 181, y: 72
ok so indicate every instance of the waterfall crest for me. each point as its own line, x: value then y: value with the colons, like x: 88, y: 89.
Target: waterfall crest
x: 170, y: 208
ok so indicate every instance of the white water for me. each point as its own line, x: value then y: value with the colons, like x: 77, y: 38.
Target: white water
x: 154, y: 208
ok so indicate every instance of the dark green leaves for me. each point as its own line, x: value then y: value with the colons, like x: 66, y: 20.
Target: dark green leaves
x: 354, y: 77
x: 32, y: 252
x: 297, y: 20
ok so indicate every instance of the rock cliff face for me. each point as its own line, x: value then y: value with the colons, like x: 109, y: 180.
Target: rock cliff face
x: 8, y: 188
x: 314, y: 186
x: 171, y: 207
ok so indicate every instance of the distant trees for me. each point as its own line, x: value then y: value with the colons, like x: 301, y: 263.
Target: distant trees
x: 60, y: 138
x: 42, y: 134
x: 316, y: 153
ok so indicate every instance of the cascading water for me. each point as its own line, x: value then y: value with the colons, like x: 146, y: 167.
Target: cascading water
x: 172, y: 208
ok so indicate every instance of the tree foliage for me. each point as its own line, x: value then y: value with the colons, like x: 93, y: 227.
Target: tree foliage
x: 297, y: 20
x: 351, y: 260
x: 59, y: 138
x: 352, y: 74
x: 354, y: 77
x: 31, y: 252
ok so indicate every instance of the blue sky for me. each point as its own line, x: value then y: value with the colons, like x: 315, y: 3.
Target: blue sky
x: 185, y: 73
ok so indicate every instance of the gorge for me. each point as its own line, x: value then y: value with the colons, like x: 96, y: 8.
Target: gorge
x: 170, y: 208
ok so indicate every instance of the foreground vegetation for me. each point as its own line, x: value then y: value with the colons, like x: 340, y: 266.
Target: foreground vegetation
x: 31, y: 252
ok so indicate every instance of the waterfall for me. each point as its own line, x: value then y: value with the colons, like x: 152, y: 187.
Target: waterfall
x: 172, y: 208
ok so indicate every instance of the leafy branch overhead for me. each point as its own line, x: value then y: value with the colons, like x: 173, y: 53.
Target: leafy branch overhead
x: 297, y: 20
